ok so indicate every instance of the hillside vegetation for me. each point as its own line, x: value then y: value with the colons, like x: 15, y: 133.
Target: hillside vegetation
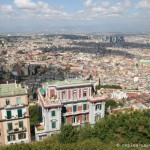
x: 122, y: 132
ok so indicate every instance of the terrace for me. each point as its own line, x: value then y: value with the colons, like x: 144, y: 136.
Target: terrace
x: 11, y: 89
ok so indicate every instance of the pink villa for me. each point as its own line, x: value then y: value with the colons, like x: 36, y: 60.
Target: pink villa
x: 69, y: 101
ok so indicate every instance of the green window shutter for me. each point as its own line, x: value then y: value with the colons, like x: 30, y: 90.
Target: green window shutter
x: 14, y: 137
x: 24, y: 135
x: 84, y: 106
x: 19, y: 112
x: 9, y: 126
x: 53, y: 113
x: 53, y: 124
x: 8, y: 114
x: 20, y: 124
x: 74, y: 108
x: 8, y: 138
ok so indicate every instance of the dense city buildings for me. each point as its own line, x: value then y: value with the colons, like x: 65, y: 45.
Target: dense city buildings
x: 69, y: 101
x: 54, y: 61
x: 14, y: 114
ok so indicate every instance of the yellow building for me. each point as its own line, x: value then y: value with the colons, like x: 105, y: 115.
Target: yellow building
x: 14, y: 114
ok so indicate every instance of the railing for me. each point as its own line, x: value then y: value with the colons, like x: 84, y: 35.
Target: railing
x: 16, y: 117
x: 74, y: 100
x: 23, y: 129
x: 52, y: 102
x: 75, y: 113
x: 15, y: 106
x: 12, y: 93
x: 76, y: 124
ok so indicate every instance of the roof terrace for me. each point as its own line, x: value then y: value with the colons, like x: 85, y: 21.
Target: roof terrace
x: 11, y: 89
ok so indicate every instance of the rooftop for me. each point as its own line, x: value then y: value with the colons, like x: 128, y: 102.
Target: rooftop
x: 145, y: 60
x: 70, y: 81
x: 11, y: 89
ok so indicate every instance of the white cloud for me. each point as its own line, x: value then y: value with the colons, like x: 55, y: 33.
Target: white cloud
x: 107, y: 8
x: 25, y: 4
x: 88, y: 3
x: 6, y: 9
x: 144, y: 4
x: 28, y: 4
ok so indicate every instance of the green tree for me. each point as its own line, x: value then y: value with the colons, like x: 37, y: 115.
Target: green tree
x: 20, y: 52
x: 68, y: 134
x: 34, y: 116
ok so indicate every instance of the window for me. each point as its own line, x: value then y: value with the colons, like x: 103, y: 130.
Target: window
x: 18, y: 101
x: 74, y: 119
x: 53, y: 124
x: 98, y: 107
x: 42, y: 137
x: 64, y: 94
x: 21, y: 136
x: 74, y: 94
x: 84, y: 117
x: 64, y: 120
x: 11, y: 138
x: 8, y: 114
x: 74, y: 108
x: 97, y: 117
x: 19, y: 113
x: 84, y: 93
x: 7, y: 102
x: 10, y: 128
x: 20, y: 124
x: 53, y: 113
x: 84, y: 106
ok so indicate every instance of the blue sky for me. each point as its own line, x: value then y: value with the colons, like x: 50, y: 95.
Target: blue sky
x: 86, y: 15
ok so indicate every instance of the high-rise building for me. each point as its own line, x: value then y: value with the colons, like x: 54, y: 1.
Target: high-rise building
x: 14, y: 114
x: 71, y: 101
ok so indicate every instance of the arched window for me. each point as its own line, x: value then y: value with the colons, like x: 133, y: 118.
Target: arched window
x: 98, y: 107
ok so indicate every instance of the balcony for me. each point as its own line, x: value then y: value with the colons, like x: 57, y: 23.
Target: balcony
x: 39, y: 128
x: 76, y: 123
x: 17, y: 130
x: 15, y: 106
x: 47, y: 102
x: 65, y: 101
x: 24, y: 115
x: 76, y: 113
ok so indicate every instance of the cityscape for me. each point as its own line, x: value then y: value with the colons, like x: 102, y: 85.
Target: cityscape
x: 74, y: 83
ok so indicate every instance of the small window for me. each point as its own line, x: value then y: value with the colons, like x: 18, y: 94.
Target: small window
x: 53, y: 113
x: 98, y: 107
x: 84, y: 93
x: 74, y: 108
x: 19, y: 113
x: 7, y: 102
x: 20, y: 124
x: 18, y: 101
x: 84, y: 106
x: 11, y: 138
x: 84, y: 117
x: 9, y: 114
x: 10, y: 128
x: 21, y: 136
x: 53, y: 124
x: 74, y: 119
x: 74, y: 94
x: 97, y: 117
x: 64, y: 95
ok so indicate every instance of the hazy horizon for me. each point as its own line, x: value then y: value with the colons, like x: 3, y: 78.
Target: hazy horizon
x: 75, y: 16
